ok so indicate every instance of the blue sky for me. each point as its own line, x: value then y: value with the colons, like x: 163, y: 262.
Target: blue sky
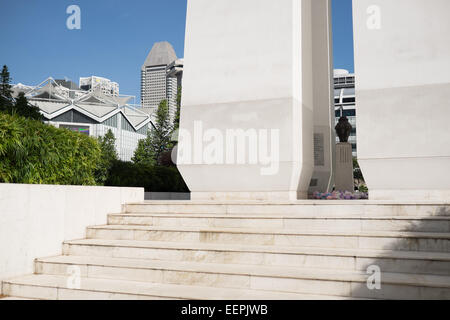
x: 114, y: 40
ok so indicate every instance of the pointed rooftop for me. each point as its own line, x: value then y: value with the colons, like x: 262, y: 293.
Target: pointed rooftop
x: 162, y: 53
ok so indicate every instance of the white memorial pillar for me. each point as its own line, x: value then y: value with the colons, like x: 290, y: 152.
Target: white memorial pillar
x: 402, y: 66
x: 323, y: 99
x: 247, y: 117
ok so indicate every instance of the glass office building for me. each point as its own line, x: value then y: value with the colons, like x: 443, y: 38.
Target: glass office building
x: 345, y: 102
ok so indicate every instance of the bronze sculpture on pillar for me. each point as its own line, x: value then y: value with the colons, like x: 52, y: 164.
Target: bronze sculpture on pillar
x: 343, y: 129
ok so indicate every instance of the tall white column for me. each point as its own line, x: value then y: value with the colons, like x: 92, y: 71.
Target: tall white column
x: 402, y: 66
x: 323, y: 98
x: 247, y: 117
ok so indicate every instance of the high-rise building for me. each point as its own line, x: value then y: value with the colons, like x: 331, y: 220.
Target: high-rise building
x: 175, y: 70
x: 160, y: 77
x: 106, y: 86
x: 345, y: 102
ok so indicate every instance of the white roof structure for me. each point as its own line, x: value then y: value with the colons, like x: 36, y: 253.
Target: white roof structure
x: 16, y: 89
x: 54, y: 100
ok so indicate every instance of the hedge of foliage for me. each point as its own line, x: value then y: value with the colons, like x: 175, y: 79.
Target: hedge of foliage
x: 152, y: 178
x: 32, y: 152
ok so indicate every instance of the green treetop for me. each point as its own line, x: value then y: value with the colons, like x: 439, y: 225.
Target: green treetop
x: 158, y: 138
x: 108, y: 156
x: 20, y: 107
x: 176, y: 121
x: 5, y: 90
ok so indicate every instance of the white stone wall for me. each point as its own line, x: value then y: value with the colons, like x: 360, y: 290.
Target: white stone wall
x: 402, y: 61
x: 324, y: 134
x: 36, y: 219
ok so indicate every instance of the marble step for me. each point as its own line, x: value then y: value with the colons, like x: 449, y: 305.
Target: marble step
x: 300, y: 207
x: 336, y: 223
x: 410, y: 241
x: 308, y: 257
x: 14, y: 299
x: 55, y: 288
x: 250, y: 277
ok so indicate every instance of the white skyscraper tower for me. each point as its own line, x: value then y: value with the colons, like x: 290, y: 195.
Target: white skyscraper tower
x: 156, y: 83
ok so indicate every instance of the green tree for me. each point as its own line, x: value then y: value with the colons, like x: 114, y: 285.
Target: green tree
x: 20, y: 107
x: 158, y: 138
x: 24, y: 109
x: 176, y: 121
x: 144, y: 153
x: 5, y: 90
x: 108, y: 156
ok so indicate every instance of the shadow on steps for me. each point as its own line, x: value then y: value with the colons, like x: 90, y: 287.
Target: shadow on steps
x: 424, y: 275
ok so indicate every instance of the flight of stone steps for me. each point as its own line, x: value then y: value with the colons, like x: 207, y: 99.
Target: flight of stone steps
x: 252, y: 250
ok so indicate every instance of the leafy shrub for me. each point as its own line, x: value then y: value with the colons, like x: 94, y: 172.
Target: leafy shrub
x: 363, y: 188
x: 35, y: 153
x: 108, y: 156
x: 152, y: 178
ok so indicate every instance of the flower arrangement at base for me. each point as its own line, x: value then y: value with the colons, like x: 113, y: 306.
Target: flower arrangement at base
x: 340, y: 195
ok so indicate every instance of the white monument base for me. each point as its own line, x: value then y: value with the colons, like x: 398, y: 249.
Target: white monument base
x: 410, y: 179
x: 344, y: 167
